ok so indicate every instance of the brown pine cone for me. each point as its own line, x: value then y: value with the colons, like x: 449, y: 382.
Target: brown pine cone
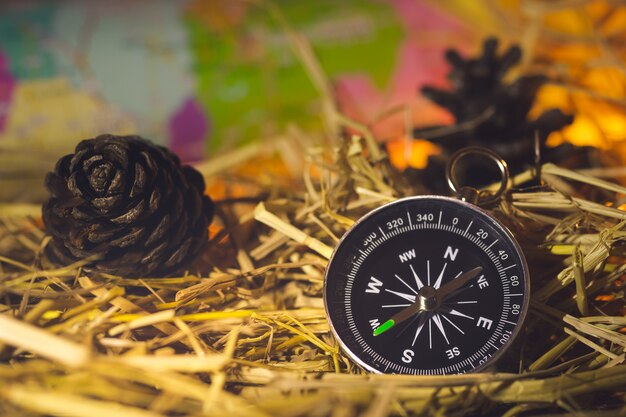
x: 129, y: 203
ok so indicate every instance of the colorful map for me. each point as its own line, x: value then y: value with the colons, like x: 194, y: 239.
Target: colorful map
x: 203, y: 75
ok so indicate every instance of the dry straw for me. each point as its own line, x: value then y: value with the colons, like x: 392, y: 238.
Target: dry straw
x: 250, y: 337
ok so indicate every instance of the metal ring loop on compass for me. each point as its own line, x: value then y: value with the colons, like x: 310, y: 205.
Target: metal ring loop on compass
x: 471, y: 194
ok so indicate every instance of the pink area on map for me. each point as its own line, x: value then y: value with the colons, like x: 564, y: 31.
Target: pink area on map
x: 188, y: 128
x: 420, y: 61
x: 7, y: 85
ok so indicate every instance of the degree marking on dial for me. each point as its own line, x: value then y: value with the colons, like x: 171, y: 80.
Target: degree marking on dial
x: 408, y: 215
x: 450, y: 321
x: 407, y: 297
x: 509, y: 322
x: 439, y: 222
x: 417, y: 279
x: 381, y: 231
x: 489, y: 247
x: 509, y: 267
x: 440, y: 277
x: 407, y: 285
x: 514, y: 295
x: 468, y: 227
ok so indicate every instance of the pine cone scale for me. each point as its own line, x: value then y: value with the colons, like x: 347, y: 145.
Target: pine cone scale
x: 140, y: 181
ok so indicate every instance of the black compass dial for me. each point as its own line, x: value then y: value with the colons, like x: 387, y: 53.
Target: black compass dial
x: 426, y: 286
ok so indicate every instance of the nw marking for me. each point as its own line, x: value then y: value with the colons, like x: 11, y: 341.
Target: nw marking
x: 407, y: 255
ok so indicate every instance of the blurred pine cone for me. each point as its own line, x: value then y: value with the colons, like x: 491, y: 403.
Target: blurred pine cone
x: 491, y: 113
x: 130, y: 204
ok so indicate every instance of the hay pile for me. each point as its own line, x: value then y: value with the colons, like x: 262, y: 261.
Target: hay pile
x: 251, y: 338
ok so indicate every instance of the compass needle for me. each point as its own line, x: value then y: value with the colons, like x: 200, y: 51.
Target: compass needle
x: 418, y: 286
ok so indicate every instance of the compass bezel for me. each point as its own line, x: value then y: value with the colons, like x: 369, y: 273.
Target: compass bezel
x: 488, y: 218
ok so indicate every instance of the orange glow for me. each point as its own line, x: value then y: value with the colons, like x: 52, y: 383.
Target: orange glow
x: 605, y: 298
x: 597, y: 123
x: 407, y: 153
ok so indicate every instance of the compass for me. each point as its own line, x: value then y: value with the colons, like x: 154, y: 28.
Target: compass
x: 426, y: 285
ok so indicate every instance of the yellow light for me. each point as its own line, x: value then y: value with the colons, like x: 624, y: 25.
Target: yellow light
x: 405, y: 153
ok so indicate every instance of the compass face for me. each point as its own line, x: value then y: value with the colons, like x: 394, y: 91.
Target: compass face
x: 426, y: 286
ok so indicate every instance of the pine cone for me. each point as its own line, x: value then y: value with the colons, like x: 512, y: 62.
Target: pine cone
x: 130, y: 204
x: 489, y: 112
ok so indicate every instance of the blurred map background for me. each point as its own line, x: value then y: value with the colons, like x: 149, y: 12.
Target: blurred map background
x: 202, y: 76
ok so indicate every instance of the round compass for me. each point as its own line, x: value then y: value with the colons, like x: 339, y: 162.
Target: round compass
x: 427, y: 286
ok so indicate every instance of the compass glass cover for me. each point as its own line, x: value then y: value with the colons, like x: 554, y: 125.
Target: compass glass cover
x: 390, y: 296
